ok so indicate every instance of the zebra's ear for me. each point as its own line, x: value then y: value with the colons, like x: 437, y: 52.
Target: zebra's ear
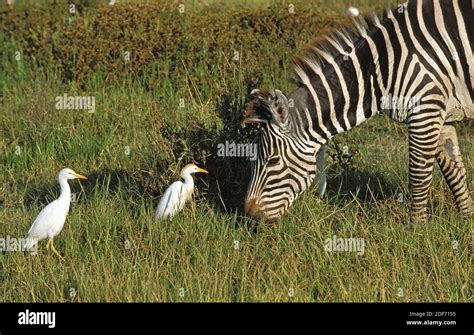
x: 258, y: 109
x: 265, y: 106
x: 279, y: 107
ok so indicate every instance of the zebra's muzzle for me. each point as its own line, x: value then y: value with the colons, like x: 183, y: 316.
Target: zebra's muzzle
x: 252, y: 209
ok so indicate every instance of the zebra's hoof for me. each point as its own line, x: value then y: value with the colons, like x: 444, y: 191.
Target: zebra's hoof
x: 418, y: 217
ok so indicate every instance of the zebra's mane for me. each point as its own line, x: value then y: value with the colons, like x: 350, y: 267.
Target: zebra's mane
x: 337, y: 43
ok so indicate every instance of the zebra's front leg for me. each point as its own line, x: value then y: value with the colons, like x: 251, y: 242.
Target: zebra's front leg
x: 450, y: 162
x: 423, y: 136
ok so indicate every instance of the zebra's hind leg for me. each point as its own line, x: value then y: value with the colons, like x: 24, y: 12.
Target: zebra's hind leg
x: 450, y: 162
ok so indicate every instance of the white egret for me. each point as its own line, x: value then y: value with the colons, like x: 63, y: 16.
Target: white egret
x: 51, y: 219
x: 178, y: 193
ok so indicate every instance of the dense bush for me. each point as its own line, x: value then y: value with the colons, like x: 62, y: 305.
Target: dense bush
x: 160, y: 40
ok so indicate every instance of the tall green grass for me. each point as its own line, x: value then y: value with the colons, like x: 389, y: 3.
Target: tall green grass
x: 133, y: 147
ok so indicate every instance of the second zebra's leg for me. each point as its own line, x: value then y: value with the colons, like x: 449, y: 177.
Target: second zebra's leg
x: 451, y: 165
x: 423, y: 136
x: 321, y: 177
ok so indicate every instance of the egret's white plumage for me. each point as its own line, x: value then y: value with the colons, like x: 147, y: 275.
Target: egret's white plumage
x: 51, y: 219
x: 178, y: 193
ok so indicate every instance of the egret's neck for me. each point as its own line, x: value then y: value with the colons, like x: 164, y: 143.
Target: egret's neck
x: 188, y: 180
x: 65, y: 189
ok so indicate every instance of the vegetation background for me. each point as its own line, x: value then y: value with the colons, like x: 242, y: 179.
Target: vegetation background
x: 170, y: 83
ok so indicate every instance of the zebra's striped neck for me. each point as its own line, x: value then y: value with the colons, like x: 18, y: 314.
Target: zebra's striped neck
x: 338, y: 99
x: 345, y: 76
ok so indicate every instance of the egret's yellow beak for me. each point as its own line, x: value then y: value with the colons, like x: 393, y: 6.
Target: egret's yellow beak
x: 77, y: 175
x: 201, y: 170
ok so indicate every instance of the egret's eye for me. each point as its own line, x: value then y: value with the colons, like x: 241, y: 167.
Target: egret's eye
x: 274, y: 160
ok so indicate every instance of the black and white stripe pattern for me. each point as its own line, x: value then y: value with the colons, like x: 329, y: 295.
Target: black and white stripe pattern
x: 286, y: 161
x: 419, y: 55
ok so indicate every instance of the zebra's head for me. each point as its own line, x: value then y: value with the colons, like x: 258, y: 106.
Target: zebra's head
x: 285, y: 162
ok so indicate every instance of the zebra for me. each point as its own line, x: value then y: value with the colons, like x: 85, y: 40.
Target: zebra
x: 420, y: 52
